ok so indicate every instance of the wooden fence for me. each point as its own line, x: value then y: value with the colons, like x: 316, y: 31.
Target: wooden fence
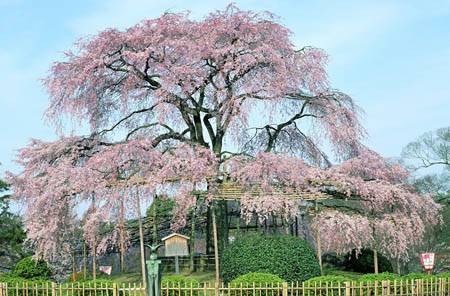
x: 425, y: 287
x: 72, y: 289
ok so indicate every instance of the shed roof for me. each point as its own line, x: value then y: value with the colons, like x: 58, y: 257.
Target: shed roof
x: 173, y: 235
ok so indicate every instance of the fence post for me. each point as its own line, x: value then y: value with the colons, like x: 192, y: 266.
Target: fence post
x: 114, y: 287
x: 53, y: 289
x: 347, y: 289
x: 285, y: 289
x: 2, y: 286
x: 216, y: 289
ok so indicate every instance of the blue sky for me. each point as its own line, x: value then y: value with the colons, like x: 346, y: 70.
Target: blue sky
x: 393, y: 57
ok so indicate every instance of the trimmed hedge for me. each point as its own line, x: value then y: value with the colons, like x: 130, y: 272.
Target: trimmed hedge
x: 288, y: 257
x: 259, y: 279
x: 327, y: 279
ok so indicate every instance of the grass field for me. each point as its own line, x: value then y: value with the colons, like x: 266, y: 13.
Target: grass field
x: 208, y: 277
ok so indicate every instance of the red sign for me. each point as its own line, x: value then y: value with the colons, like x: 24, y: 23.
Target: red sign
x: 106, y: 269
x: 427, y: 260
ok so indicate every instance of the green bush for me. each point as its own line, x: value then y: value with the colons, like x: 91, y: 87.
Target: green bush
x: 29, y: 268
x: 444, y: 275
x: 418, y: 276
x: 363, y: 262
x: 288, y: 257
x: 99, y: 282
x: 378, y: 277
x: 178, y: 280
x: 13, y: 279
x: 327, y: 279
x: 259, y: 279
x: 23, y: 285
x: 327, y: 284
x: 267, y: 281
x: 172, y: 281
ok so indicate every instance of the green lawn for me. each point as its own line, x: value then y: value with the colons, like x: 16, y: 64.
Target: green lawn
x: 126, y: 278
x: 208, y: 277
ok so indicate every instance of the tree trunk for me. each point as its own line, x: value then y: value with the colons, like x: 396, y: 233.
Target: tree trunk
x: 155, y: 221
x: 375, y: 261
x: 319, y: 250
x: 122, y: 236
x: 192, y: 242
x: 399, y: 265
x: 84, y: 260
x: 94, y: 261
x: 141, y: 238
x: 216, y: 246
x: 74, y: 267
x: 94, y: 250
x: 222, y: 230
x: 208, y: 231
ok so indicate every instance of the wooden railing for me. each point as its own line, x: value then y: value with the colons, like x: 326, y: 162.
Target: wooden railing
x: 425, y: 287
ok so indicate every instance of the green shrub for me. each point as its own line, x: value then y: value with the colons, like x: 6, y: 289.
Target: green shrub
x: 288, y: 257
x: 29, y: 268
x: 172, y: 281
x: 327, y: 284
x: 444, y: 275
x: 327, y: 279
x: 417, y: 276
x: 99, y: 282
x: 363, y: 262
x: 267, y: 281
x: 13, y: 279
x: 178, y: 280
x: 23, y: 285
x: 259, y: 279
x: 383, y: 276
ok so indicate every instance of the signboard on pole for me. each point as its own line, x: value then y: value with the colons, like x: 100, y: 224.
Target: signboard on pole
x: 427, y: 260
x: 176, y: 245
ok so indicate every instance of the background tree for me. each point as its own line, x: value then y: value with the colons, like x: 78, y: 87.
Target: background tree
x: 12, y: 234
x: 430, y: 149
x: 428, y: 156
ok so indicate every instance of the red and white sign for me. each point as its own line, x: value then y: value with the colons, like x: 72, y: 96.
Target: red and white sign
x: 106, y: 269
x: 427, y: 260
